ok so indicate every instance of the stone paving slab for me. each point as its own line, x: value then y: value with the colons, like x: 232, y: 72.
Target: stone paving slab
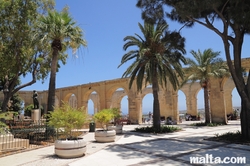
x: 122, y: 156
x: 221, y: 152
x: 137, y: 149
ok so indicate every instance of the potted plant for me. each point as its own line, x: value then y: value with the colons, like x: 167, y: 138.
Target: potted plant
x: 235, y: 115
x: 117, y: 123
x: 66, y: 120
x: 199, y: 116
x: 104, y: 117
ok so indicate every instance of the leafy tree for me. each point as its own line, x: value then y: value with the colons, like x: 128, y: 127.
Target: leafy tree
x: 61, y: 31
x: 20, y: 50
x: 205, y: 65
x: 157, y: 58
x: 16, y: 104
x: 234, y: 16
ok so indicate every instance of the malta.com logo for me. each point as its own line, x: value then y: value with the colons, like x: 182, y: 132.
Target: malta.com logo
x: 210, y: 159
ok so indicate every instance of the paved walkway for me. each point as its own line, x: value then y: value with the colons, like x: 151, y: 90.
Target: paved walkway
x: 135, y: 149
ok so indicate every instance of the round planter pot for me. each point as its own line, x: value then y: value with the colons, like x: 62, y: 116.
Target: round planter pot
x: 117, y: 128
x: 70, y: 148
x: 105, y: 136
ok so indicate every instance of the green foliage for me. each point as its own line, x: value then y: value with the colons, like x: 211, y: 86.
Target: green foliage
x: 222, y: 17
x: 8, y: 115
x: 104, y: 117
x: 206, y: 124
x: 158, y: 54
x: 232, y: 137
x: 158, y: 58
x: 116, y: 113
x: 66, y: 118
x: 60, y: 31
x: 163, y: 129
x: 29, y: 108
x: 202, y: 68
x: 21, y: 51
x: 3, y: 128
x: 16, y: 104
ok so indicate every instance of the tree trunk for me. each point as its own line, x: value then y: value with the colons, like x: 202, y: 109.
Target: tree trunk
x: 5, y: 102
x: 206, y: 102
x: 52, y: 81
x: 156, y: 104
x: 245, y: 120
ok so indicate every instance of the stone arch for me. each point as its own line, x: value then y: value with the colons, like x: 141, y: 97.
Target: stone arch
x: 111, y: 100
x: 94, y: 97
x: 88, y: 95
x: 71, y: 98
x: 185, y: 97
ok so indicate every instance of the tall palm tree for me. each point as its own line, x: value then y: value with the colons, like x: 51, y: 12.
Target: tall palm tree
x: 207, y: 64
x: 157, y: 58
x: 61, y: 30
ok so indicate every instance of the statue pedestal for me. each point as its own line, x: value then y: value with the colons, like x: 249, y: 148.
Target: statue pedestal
x: 36, y: 115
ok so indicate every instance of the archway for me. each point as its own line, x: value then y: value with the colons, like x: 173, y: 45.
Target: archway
x: 124, y: 107
x: 182, y: 105
x: 93, y: 103
x: 236, y: 100
x: 120, y: 100
x: 73, y: 101
x: 200, y: 103
x: 147, y: 106
x: 91, y: 108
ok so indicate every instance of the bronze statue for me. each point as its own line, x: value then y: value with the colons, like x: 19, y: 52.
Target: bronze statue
x: 35, y: 100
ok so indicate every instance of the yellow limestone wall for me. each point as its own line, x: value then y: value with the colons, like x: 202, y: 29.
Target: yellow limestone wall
x: 107, y: 96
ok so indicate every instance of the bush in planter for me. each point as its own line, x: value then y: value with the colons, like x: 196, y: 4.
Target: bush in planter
x: 66, y: 118
x: 104, y: 117
x: 117, y: 115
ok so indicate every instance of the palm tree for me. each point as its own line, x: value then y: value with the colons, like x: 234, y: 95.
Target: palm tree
x: 157, y: 58
x: 61, y: 30
x: 207, y: 65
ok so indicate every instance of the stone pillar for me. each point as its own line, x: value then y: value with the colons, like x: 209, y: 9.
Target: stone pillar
x: 85, y: 105
x: 138, y: 105
x: 162, y: 102
x: 36, y: 115
x: 132, y: 111
x: 228, y: 101
x: 175, y: 107
x: 104, y: 102
x: 168, y: 112
x: 79, y: 96
x: 217, y: 103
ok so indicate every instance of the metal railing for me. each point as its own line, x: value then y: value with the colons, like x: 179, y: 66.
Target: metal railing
x: 22, y: 136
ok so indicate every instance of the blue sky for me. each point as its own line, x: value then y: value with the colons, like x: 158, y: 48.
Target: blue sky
x: 105, y: 24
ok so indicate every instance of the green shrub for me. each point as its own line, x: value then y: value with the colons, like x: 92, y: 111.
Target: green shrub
x: 67, y: 118
x: 104, y: 117
x: 163, y: 129
x: 3, y: 128
x: 29, y: 108
x: 206, y: 124
x: 230, y: 137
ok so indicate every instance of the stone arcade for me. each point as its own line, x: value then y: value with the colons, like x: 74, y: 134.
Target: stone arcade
x: 108, y: 94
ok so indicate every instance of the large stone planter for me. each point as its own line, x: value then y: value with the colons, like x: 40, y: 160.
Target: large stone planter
x: 105, y: 136
x: 117, y: 128
x: 70, y: 148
